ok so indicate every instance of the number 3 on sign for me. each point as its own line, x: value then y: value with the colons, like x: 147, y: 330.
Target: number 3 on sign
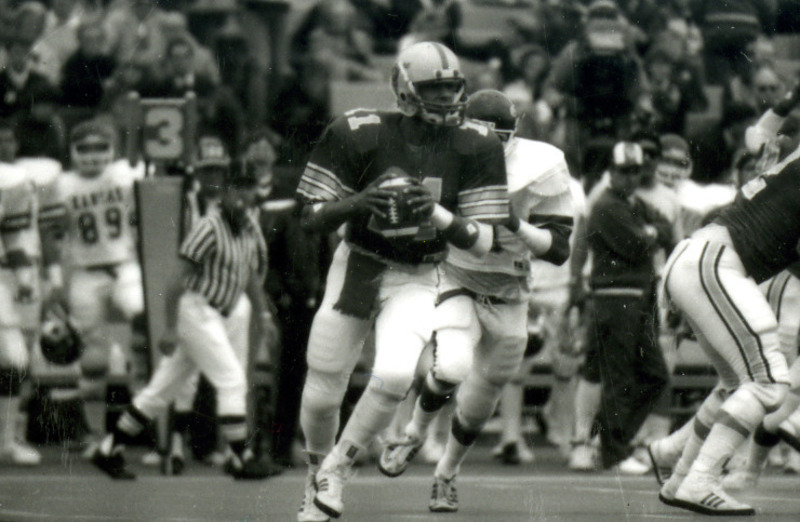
x: 163, y: 132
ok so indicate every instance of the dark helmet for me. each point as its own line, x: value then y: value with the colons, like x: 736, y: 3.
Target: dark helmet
x: 60, y: 342
x: 496, y: 110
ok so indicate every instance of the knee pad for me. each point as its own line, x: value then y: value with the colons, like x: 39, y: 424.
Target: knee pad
x: 477, y: 401
x: 752, y: 400
x: 10, y: 382
x: 396, y: 383
x: 707, y: 411
x: 323, y: 392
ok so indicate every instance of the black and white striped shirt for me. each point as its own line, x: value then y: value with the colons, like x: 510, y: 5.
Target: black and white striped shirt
x: 227, y: 260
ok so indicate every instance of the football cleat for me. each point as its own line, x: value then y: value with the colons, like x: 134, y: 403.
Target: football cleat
x: 583, y: 457
x: 740, y: 480
x: 330, y: 488
x: 661, y: 468
x: 248, y: 467
x: 20, y: 454
x: 444, y: 496
x: 703, y: 495
x: 396, y: 456
x: 112, y: 465
x: 309, y: 512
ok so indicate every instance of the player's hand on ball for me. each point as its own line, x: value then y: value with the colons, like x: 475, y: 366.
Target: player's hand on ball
x: 374, y: 199
x: 168, y: 342
x: 420, y: 200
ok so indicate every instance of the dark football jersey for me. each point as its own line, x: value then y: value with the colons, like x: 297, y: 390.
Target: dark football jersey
x: 464, y: 167
x: 764, y: 220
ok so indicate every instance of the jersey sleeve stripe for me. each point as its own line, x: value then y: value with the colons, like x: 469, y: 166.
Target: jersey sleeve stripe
x: 491, y: 191
x: 541, y: 219
x: 320, y: 182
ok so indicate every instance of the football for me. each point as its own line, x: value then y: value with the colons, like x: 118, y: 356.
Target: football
x: 400, y: 220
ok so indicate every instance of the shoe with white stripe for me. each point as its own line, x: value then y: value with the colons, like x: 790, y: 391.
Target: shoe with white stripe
x: 444, y: 496
x: 706, y: 496
x: 396, y: 456
x: 330, y: 488
x: 308, y: 511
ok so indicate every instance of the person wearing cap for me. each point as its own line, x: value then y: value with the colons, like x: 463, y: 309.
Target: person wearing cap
x: 224, y: 256
x: 623, y: 356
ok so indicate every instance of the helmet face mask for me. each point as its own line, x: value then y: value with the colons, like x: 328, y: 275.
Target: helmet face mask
x: 422, y: 73
x: 91, y: 155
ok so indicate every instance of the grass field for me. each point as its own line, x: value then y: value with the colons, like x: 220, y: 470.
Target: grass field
x: 67, y: 488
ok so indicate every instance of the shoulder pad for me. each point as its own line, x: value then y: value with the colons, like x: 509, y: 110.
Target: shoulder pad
x: 11, y: 175
x: 538, y: 167
x: 41, y: 171
x: 360, y: 127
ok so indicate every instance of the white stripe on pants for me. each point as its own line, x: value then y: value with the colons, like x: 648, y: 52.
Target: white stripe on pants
x: 210, y: 343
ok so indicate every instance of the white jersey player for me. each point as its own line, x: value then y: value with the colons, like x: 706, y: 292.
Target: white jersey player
x: 96, y: 207
x: 20, y: 256
x: 482, y: 312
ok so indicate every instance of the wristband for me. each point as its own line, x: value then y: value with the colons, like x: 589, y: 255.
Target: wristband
x: 462, y: 233
x: 513, y: 223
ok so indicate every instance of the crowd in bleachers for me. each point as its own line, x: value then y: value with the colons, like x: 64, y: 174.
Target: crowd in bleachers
x: 584, y: 75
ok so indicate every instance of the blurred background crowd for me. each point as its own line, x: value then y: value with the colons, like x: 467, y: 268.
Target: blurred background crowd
x: 269, y: 76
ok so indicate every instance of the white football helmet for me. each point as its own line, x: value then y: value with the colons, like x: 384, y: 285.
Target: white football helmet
x: 91, y: 148
x: 423, y: 63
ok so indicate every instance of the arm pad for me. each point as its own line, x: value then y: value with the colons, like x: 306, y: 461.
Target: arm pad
x: 462, y: 233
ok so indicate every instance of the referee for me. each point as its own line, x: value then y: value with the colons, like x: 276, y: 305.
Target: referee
x: 224, y: 256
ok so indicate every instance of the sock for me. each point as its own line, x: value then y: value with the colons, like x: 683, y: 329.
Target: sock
x: 762, y: 443
x: 672, y: 445
x: 725, y: 436
x: 372, y: 414
x: 234, y: 429
x: 129, y: 425
x: 511, y: 413
x: 587, y: 404
x: 9, y: 412
x: 695, y: 441
x: 459, y: 442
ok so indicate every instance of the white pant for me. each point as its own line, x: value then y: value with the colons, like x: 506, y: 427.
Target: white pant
x: 215, y: 345
x: 733, y: 321
x: 402, y: 327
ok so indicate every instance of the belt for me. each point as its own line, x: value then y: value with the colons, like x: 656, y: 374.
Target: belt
x: 444, y: 296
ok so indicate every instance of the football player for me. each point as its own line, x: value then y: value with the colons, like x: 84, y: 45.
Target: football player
x: 20, y: 254
x: 712, y: 279
x: 404, y: 185
x: 97, y: 254
x: 482, y: 311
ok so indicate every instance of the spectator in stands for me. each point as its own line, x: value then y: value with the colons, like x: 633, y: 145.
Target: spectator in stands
x: 87, y: 72
x: 536, y: 118
x: 337, y: 39
x: 598, y: 82
x: 729, y: 29
x: 30, y: 98
x: 219, y: 112
x: 136, y: 33
x: 676, y: 90
x: 59, y: 38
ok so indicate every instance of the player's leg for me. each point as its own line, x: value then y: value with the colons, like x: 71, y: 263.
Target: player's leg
x: 783, y: 295
x: 588, y: 395
x: 708, y: 284
x: 13, y: 368
x: 457, y: 333
x: 334, y: 346
x: 497, y: 360
x: 402, y: 328
x: 89, y: 293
